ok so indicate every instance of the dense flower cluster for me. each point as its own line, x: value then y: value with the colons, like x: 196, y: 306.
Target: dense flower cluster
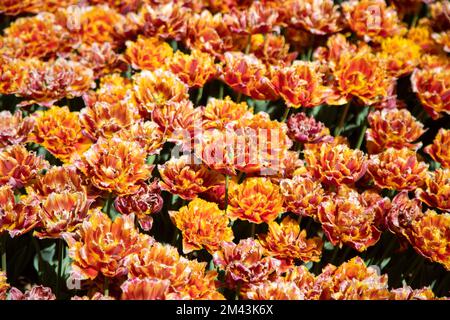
x: 194, y: 149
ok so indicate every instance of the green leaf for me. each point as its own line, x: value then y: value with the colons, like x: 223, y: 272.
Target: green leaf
x: 328, y: 246
x: 385, y: 262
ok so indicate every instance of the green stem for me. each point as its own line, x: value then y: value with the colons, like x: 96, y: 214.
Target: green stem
x: 308, y: 225
x: 241, y: 177
x: 3, y: 240
x: 199, y: 96
x: 335, y: 252
x: 345, y: 254
x: 391, y: 193
x: 227, y: 178
x: 387, y: 252
x: 238, y: 292
x: 106, y: 287
x: 221, y: 91
x: 38, y: 251
x: 249, y: 42
x: 311, y: 48
x: 175, y: 237
x: 361, y: 136
x: 340, y: 126
x: 239, y: 97
x: 174, y: 45
x: 422, y: 116
x: 109, y: 202
x: 285, y: 114
x: 363, y: 129
x: 417, y: 270
x: 60, y: 248
x: 416, y: 17
x: 252, y: 229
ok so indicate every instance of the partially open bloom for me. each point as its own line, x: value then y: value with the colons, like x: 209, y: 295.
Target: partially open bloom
x: 248, y: 75
x: 290, y: 165
x: 35, y: 37
x: 59, y: 131
x: 421, y: 35
x: 256, y: 199
x: 300, y: 85
x: 184, y: 178
x: 153, y: 89
x: 102, y: 119
x: 347, y: 218
x: 362, y: 75
x: 146, y: 133
x: 256, y: 19
x: 272, y: 49
x: 429, y: 235
x: 59, y: 180
x: 395, y: 128
x: 145, y: 202
x: 18, y: 166
x: 124, y: 6
x: 216, y: 149
x: 429, y: 61
x: 397, y: 169
x: 304, y: 129
x: 301, y: 195
x: 99, y: 57
x: 194, y: 69
x: 179, y: 121
x: 244, y: 263
x: 102, y: 246
x: 203, y: 225
x: 146, y: 289
x: 440, y: 149
x: 113, y: 89
x: 148, y: 53
x: 402, y: 55
x: 4, y: 286
x: 372, y: 19
x: 61, y: 213
x: 35, y: 293
x: 318, y: 17
x: 439, y: 14
x: 46, y: 82
x: 436, y: 192
x: 12, y: 7
x: 408, y: 293
x: 91, y: 24
x: 333, y: 141
x: 336, y: 46
x: 167, y: 21
x: 218, y: 113
x: 96, y: 296
x: 403, y: 212
x: 432, y: 86
x: 254, y: 145
x: 115, y: 165
x: 336, y: 164
x: 15, y: 218
x: 13, y: 72
x: 188, y: 278
x: 14, y: 128
x: 260, y: 146
x: 443, y: 38
x: 209, y: 33
x: 352, y: 280
x: 287, y: 243
x: 274, y: 290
